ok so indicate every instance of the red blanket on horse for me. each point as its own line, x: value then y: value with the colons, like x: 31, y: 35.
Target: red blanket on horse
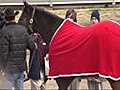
x: 90, y: 50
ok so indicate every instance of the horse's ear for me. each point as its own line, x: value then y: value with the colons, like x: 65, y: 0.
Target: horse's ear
x: 25, y: 3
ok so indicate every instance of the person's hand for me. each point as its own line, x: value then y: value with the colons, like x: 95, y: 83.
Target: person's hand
x: 47, y: 57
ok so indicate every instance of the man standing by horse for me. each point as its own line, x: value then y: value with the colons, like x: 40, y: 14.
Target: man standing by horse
x: 14, y: 40
x: 72, y: 14
x: 36, y: 63
x: 95, y: 83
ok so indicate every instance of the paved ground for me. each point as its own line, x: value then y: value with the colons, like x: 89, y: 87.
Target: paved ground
x: 50, y: 85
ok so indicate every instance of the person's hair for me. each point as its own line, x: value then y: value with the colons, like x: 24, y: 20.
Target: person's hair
x: 71, y: 13
x: 95, y: 14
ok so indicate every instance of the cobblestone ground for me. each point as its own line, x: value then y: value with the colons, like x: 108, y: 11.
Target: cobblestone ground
x: 51, y: 85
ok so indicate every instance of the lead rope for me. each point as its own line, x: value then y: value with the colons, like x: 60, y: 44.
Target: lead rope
x: 30, y: 27
x: 31, y: 22
x: 31, y: 19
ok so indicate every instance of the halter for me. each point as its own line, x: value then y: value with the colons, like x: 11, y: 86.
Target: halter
x: 31, y: 20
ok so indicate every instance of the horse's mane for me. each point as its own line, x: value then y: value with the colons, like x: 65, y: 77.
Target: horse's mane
x: 47, y: 12
x: 49, y: 21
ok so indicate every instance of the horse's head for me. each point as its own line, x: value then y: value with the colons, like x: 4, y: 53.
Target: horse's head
x: 26, y: 16
x: 40, y: 21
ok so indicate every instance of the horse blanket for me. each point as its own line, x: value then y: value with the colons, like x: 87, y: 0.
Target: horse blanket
x: 85, y: 50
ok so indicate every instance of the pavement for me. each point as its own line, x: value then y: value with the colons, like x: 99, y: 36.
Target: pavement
x: 52, y: 85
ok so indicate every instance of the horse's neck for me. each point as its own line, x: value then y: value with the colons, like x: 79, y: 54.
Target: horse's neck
x: 49, y: 32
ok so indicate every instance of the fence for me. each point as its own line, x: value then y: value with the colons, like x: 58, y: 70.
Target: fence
x: 56, y: 2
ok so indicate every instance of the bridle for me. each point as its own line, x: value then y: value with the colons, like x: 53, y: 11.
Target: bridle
x: 31, y: 20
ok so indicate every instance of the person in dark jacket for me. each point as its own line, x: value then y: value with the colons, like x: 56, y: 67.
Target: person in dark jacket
x: 95, y: 83
x: 14, y: 40
x: 36, y: 63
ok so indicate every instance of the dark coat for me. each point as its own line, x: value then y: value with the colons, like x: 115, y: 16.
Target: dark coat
x: 37, y: 57
x: 14, y: 40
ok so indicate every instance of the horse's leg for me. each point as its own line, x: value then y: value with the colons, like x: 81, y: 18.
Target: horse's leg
x: 74, y: 84
x: 43, y: 75
x: 114, y: 84
x: 64, y: 82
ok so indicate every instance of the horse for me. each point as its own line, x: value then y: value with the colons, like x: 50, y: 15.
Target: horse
x: 47, y: 24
